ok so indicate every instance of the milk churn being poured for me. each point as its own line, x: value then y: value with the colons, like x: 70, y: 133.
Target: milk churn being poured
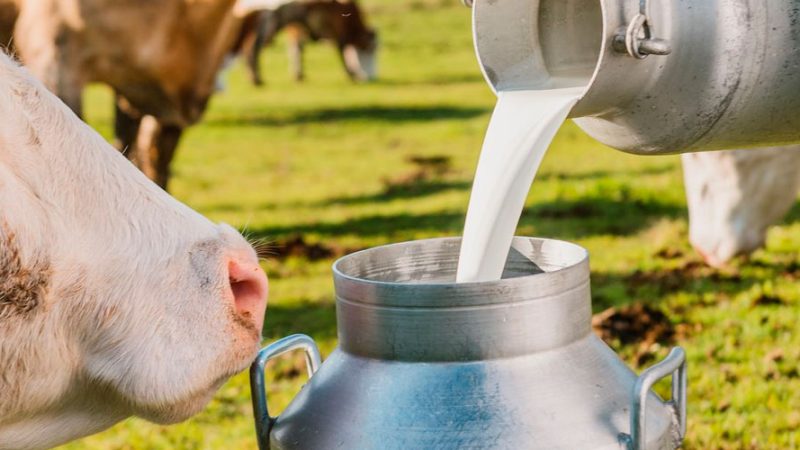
x: 427, y: 363
x: 662, y: 76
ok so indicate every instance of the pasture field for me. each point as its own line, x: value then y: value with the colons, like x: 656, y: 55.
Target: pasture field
x: 323, y: 168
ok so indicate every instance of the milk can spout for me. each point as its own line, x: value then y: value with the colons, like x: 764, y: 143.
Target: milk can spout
x: 657, y: 76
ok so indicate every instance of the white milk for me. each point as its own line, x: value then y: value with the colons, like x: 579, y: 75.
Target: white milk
x: 523, y: 125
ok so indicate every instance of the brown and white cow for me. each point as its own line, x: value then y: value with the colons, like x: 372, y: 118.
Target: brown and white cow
x: 734, y: 196
x: 160, y: 57
x: 340, y: 22
x: 115, y: 299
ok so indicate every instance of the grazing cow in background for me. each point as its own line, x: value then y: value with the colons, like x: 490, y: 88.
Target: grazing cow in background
x: 734, y: 196
x: 115, y: 298
x: 340, y: 22
x: 160, y: 57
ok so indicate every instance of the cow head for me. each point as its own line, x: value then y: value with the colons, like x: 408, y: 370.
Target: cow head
x: 734, y: 196
x: 360, y: 43
x: 361, y: 58
x: 115, y: 299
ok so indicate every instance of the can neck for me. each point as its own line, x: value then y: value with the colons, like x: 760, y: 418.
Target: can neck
x: 543, y: 304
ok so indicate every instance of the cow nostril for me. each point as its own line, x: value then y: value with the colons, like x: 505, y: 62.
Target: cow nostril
x: 244, y: 289
x: 248, y: 284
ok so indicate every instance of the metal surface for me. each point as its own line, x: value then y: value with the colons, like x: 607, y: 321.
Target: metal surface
x: 424, y: 362
x: 674, y: 364
x: 263, y: 420
x: 730, y: 81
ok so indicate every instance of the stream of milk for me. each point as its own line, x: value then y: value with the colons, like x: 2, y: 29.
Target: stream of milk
x: 522, y: 126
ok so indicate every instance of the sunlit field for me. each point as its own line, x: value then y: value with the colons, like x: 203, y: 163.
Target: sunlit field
x: 319, y: 169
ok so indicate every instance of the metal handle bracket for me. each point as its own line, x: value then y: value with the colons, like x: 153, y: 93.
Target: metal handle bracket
x: 258, y: 392
x: 637, y: 39
x: 674, y: 364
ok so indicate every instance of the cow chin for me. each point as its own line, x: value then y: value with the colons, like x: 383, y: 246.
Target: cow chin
x: 187, y: 404
x: 182, y: 409
x: 186, y: 397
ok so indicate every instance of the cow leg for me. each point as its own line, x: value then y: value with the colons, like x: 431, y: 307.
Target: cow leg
x: 251, y: 49
x: 126, y: 127
x: 70, y: 91
x: 295, y: 49
x: 155, y: 147
x: 166, y: 145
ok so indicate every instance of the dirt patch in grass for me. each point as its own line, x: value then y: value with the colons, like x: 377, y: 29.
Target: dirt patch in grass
x: 426, y: 169
x: 635, y: 324
x: 791, y: 271
x: 669, y: 253
x: 288, y: 367
x: 767, y: 300
x: 670, y: 280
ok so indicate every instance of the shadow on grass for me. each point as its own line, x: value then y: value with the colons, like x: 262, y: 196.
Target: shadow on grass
x: 601, y: 174
x: 434, y: 185
x: 653, y: 286
x: 564, y: 219
x: 394, y: 114
x: 311, y: 318
x: 432, y: 80
x: 591, y: 216
x: 401, y: 192
x: 370, y: 226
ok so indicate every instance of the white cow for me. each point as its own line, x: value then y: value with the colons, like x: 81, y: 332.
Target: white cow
x: 734, y: 196
x: 115, y: 299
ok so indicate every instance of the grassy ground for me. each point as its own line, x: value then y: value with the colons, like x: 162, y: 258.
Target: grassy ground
x: 333, y: 163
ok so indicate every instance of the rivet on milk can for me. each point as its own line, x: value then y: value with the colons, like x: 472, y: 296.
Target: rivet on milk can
x: 424, y: 362
x: 660, y: 76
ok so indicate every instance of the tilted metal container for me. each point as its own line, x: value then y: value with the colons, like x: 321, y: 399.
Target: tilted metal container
x: 721, y: 73
x: 426, y: 363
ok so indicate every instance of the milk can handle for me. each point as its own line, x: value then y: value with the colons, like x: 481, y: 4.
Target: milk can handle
x: 258, y: 391
x: 674, y: 364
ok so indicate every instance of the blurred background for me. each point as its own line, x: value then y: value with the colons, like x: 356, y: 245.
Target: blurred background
x: 314, y: 170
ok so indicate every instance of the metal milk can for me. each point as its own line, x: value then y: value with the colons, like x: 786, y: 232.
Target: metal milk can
x: 661, y: 76
x: 425, y: 363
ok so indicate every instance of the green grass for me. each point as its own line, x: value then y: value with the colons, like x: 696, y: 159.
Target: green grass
x: 328, y: 160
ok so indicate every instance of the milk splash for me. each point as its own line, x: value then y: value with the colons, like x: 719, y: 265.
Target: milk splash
x: 522, y: 126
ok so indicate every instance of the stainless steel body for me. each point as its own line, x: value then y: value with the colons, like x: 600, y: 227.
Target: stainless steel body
x: 426, y: 363
x: 731, y: 77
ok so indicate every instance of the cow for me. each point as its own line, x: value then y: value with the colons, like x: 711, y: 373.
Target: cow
x: 735, y: 195
x: 116, y: 300
x: 159, y: 56
x: 340, y: 22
